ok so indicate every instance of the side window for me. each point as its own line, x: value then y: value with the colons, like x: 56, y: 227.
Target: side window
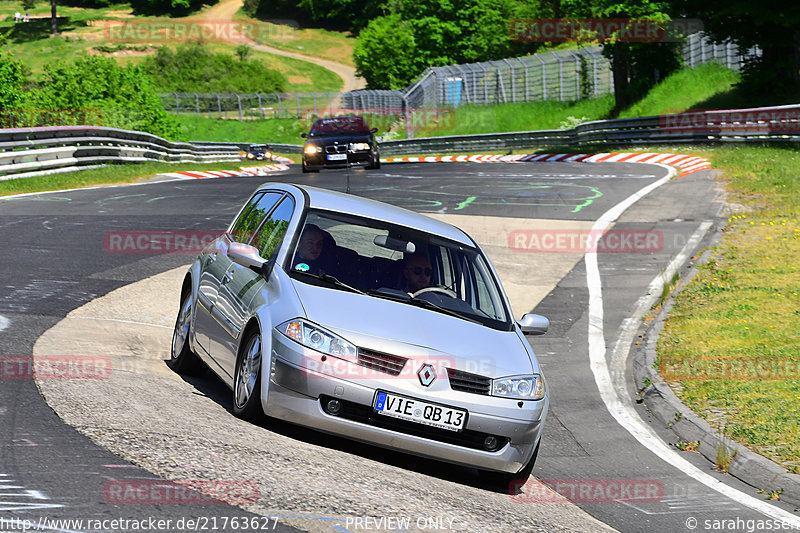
x: 271, y: 233
x: 252, y: 215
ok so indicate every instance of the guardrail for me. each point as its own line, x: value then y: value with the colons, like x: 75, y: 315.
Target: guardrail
x: 765, y: 124
x: 26, y: 152
x: 32, y: 151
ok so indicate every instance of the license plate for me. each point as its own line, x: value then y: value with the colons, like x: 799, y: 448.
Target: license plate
x: 337, y: 157
x: 429, y: 414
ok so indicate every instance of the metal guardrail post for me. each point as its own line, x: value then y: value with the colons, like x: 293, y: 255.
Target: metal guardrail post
x: 544, y: 77
x: 527, y: 81
x: 404, y: 101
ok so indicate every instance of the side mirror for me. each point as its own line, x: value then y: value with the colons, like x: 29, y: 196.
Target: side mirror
x: 247, y: 256
x: 374, y: 130
x: 304, y: 135
x: 532, y: 324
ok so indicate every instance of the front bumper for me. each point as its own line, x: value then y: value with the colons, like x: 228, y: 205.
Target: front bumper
x: 319, y: 161
x: 294, y: 394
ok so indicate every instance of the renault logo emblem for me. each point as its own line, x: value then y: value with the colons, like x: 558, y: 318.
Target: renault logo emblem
x: 426, y: 375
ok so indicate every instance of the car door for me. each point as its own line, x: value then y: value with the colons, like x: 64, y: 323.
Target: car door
x: 239, y: 284
x: 216, y: 265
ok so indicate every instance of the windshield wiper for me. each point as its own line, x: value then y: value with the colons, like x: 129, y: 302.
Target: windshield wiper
x: 333, y: 280
x: 433, y: 307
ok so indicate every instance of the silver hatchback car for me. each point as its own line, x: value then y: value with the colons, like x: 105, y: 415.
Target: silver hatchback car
x: 369, y: 321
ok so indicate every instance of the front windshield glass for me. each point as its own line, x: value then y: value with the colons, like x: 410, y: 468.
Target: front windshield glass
x: 398, y: 263
x: 339, y: 125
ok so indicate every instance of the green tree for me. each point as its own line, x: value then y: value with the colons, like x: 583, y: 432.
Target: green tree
x: 773, y: 26
x: 394, y: 49
x: 11, y: 81
x: 118, y: 97
x: 636, y: 66
x: 385, y: 53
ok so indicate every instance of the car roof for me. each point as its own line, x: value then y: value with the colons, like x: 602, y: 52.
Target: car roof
x: 356, y: 205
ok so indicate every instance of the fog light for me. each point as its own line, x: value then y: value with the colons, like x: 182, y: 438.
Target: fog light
x: 333, y: 407
x: 491, y: 443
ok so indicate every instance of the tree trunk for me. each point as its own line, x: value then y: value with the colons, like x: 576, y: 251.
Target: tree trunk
x: 53, y: 18
x: 619, y: 65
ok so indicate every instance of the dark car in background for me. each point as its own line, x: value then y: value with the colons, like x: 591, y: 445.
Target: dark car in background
x: 340, y: 142
x: 257, y: 152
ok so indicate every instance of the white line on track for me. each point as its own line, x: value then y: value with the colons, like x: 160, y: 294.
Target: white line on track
x: 618, y: 401
x: 4, y: 322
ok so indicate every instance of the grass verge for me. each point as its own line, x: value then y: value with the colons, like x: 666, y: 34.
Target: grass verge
x: 731, y: 339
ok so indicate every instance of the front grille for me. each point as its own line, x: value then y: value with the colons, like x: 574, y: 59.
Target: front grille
x: 366, y: 415
x: 466, y: 382
x: 382, y: 362
x: 336, y: 149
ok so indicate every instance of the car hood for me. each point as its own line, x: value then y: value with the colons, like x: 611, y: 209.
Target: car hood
x: 341, y: 139
x: 402, y: 329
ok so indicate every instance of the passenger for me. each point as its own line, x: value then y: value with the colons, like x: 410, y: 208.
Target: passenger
x: 308, y: 257
x: 417, y: 273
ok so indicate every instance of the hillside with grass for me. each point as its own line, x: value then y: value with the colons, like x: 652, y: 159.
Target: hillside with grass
x: 686, y: 89
x: 95, y: 31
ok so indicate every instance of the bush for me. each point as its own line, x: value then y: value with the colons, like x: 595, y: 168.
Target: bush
x: 11, y: 80
x: 193, y: 68
x: 96, y: 89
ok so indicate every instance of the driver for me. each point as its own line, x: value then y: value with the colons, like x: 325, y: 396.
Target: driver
x: 417, y: 273
x: 308, y: 257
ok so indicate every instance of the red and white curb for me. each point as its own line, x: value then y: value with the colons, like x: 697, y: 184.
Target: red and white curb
x: 686, y: 164
x: 249, y: 171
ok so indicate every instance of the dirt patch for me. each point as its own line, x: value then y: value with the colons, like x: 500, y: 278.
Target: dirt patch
x: 298, y: 79
x: 88, y: 36
x: 120, y: 14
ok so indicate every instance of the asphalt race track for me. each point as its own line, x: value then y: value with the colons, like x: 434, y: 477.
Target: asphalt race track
x: 59, y: 256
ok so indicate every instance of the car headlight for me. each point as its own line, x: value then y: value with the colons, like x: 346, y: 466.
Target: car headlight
x: 250, y: 156
x: 316, y: 338
x: 312, y: 149
x: 519, y: 387
x: 359, y: 146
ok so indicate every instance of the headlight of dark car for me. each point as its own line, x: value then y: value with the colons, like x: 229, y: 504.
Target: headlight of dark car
x: 357, y: 147
x: 312, y: 149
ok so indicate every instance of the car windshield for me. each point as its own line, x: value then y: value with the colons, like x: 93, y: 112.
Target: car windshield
x: 398, y: 263
x: 339, y: 125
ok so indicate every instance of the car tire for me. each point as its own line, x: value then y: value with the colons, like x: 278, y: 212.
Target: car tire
x: 182, y: 359
x: 247, y: 379
x: 375, y: 162
x: 306, y: 170
x: 511, y: 483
